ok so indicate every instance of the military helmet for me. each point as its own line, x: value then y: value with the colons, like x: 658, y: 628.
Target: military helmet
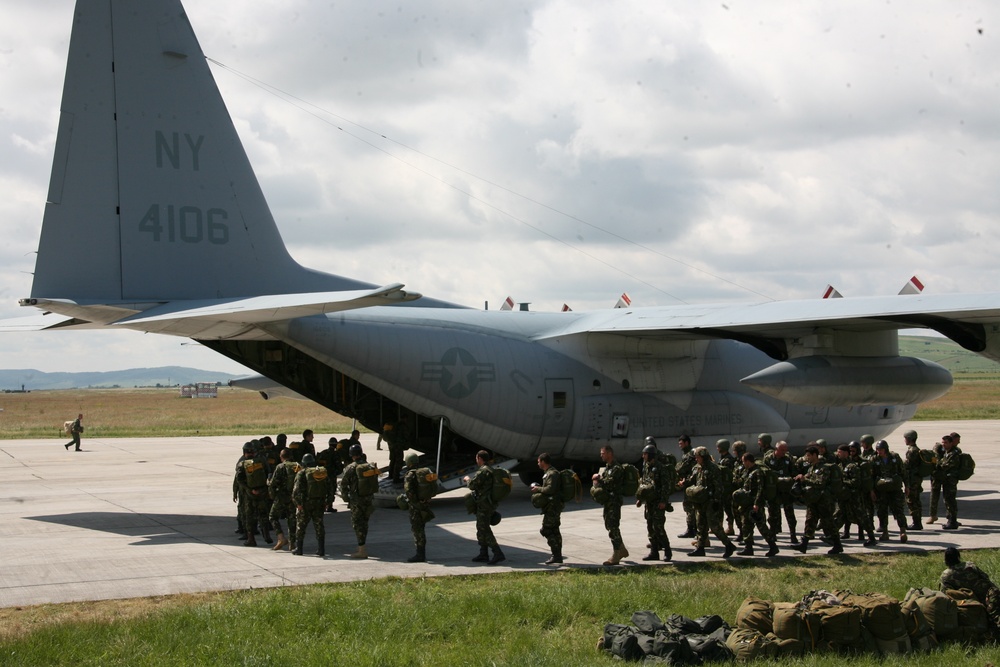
x: 910, y: 435
x: 412, y: 460
x: 495, y: 518
x: 248, y: 447
x: 882, y: 444
x: 354, y: 450
x: 821, y: 442
x: 765, y: 439
x: 701, y: 451
x: 722, y: 445
x: 868, y: 439
x: 649, y: 449
x: 650, y: 440
x: 308, y: 460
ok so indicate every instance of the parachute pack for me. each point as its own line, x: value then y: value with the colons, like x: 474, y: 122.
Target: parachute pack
x: 572, y: 488
x: 427, y: 483
x: 928, y: 461
x: 502, y: 484
x: 255, y: 472
x: 68, y: 427
x: 367, y: 478
x: 317, y: 483
x: 630, y: 479
x: 966, y: 466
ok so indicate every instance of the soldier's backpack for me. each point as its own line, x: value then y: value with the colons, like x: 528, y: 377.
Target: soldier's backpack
x: 927, y: 462
x: 836, y: 487
x: 770, y: 478
x: 966, y: 466
x: 367, y: 478
x: 317, y: 483
x: 572, y: 487
x: 68, y: 427
x: 256, y: 473
x: 502, y: 484
x: 939, y: 611
x: 630, y: 479
x: 747, y: 644
x: 881, y: 615
x: 427, y: 483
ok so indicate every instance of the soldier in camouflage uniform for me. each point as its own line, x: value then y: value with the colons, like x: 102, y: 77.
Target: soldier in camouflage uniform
x: 752, y: 484
x: 656, y: 484
x: 310, y: 493
x: 819, y: 501
x: 420, y: 510
x: 329, y: 458
x: 959, y: 574
x: 279, y: 487
x: 362, y: 505
x: 849, y: 506
x: 481, y: 485
x: 251, y: 478
x: 551, y: 486
x: 913, y: 481
x: 727, y: 464
x: 868, y: 456
x: 684, y: 468
x: 706, y: 474
x: 888, y: 473
x: 784, y: 466
x: 739, y: 477
x: 610, y: 481
x: 947, y: 471
x: 935, y: 482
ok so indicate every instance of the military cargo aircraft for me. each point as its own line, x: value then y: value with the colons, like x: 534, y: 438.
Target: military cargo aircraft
x: 149, y: 174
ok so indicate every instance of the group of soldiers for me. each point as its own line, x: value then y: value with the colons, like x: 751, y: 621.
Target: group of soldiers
x: 731, y: 497
x: 289, y: 483
x: 862, y: 482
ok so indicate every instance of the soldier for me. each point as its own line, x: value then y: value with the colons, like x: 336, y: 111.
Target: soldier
x: 329, y: 458
x: 947, y: 472
x: 868, y: 446
x: 307, y: 442
x: 959, y: 575
x: 420, y: 509
x: 739, y: 477
x: 816, y: 494
x: 279, y: 487
x: 75, y: 429
x: 754, y: 508
x: 608, y: 491
x: 704, y: 488
x: 684, y: 468
x: 359, y: 496
x: 310, y: 493
x: 270, y: 454
x: 251, y: 478
x: 657, y: 483
x: 727, y: 464
x: 764, y: 443
x: 397, y: 435
x: 784, y: 467
x: 867, y: 457
x: 551, y: 488
x: 936, y: 482
x: 481, y: 485
x: 888, y: 472
x: 824, y: 454
x: 912, y: 480
x: 849, y: 506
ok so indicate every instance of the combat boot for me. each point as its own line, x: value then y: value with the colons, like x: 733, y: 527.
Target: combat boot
x: 847, y: 532
x: 668, y: 555
x: 729, y: 528
x: 615, y: 558
x: 321, y: 550
x: 730, y: 550
x: 498, y: 557
x: 251, y: 541
x: 932, y: 519
x: 483, y: 557
x: 419, y: 557
x: 951, y: 525
x: 654, y: 554
x: 795, y: 540
x: 267, y: 535
x: 772, y: 550
x: 298, y: 547
x: 555, y: 558
x: 697, y: 553
x: 915, y: 524
x: 280, y: 543
x: 361, y: 553
x: 690, y: 532
x: 884, y: 536
x: 802, y: 546
x: 871, y: 543
x: 747, y: 549
x: 838, y: 548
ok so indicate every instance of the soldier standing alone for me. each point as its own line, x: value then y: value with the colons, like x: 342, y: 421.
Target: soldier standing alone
x: 551, y: 487
x: 607, y: 489
x: 481, y: 485
x: 658, y: 481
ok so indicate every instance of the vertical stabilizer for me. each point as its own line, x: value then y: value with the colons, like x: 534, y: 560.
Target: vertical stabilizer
x: 152, y: 196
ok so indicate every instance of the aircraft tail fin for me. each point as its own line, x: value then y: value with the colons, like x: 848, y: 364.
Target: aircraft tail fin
x: 912, y: 286
x: 152, y: 197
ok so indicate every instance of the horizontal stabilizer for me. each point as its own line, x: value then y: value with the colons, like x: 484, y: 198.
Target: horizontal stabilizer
x: 39, y: 323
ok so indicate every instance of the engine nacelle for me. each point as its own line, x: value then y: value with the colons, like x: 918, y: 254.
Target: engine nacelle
x: 849, y: 381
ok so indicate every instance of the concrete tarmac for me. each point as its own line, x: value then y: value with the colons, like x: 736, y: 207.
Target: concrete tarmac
x: 131, y: 518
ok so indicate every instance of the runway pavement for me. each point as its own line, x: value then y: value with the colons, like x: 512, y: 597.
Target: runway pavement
x: 154, y: 516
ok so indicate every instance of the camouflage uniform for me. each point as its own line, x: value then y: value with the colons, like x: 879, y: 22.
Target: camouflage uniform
x: 280, y: 489
x: 398, y: 438
x: 727, y: 464
x: 310, y: 504
x: 968, y: 576
x: 329, y: 458
x: 850, y: 506
x: 662, y: 478
x: 684, y: 468
x: 741, y: 514
x: 552, y: 512
x: 361, y: 506
x: 785, y: 468
x: 481, y: 485
x: 936, y: 484
x: 420, y: 510
x: 752, y: 481
x: 913, y: 483
x: 888, y: 473
x: 819, y: 507
x: 611, y: 480
x: 251, y: 478
x: 708, y: 515
x: 947, y: 472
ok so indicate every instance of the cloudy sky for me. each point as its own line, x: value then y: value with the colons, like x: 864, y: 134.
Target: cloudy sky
x: 565, y: 152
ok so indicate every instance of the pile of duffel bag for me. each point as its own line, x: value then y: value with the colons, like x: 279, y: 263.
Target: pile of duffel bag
x: 839, y: 621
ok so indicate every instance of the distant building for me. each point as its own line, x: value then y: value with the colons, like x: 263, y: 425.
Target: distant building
x: 200, y: 390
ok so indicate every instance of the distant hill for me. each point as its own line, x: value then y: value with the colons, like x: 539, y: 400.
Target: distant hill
x: 164, y: 376
x: 947, y: 353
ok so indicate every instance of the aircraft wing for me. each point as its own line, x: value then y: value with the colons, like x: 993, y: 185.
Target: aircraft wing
x: 971, y: 320
x: 43, y: 322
